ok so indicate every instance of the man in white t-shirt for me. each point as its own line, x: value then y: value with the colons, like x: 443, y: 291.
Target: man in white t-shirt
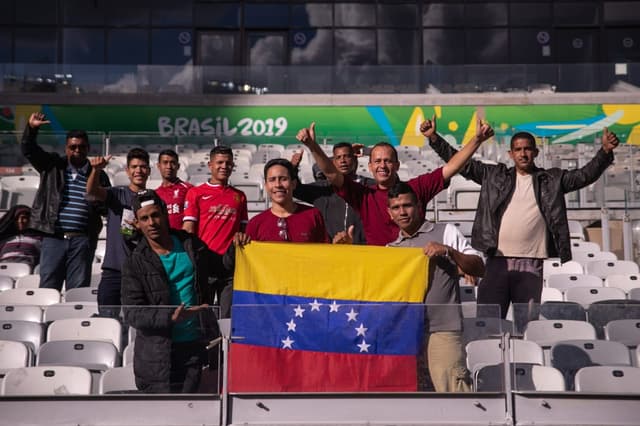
x: 521, y: 217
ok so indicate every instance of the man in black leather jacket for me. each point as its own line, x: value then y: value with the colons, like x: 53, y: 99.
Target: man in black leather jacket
x: 167, y: 298
x: 521, y: 217
x: 69, y: 222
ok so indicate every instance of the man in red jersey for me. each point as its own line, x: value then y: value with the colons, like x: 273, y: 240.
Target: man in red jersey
x: 214, y: 210
x: 173, y: 190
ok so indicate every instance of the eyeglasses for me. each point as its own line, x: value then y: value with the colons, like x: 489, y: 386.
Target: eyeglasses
x: 282, y: 229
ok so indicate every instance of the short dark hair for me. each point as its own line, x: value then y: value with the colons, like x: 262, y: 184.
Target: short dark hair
x: 523, y: 135
x: 138, y: 153
x: 169, y: 152
x: 78, y: 134
x: 342, y: 145
x: 293, y: 172
x: 401, y: 188
x: 220, y: 150
x: 386, y: 144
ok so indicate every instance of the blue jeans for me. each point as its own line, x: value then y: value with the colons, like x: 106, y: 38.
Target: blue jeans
x: 65, y: 260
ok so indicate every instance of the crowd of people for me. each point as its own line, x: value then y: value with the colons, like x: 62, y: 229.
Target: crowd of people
x: 175, y: 245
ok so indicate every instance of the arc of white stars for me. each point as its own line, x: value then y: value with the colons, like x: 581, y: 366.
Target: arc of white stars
x: 333, y: 307
x: 351, y: 315
x: 299, y: 311
x: 291, y: 325
x: 288, y: 343
x: 315, y: 305
x: 364, y: 347
x: 361, y: 330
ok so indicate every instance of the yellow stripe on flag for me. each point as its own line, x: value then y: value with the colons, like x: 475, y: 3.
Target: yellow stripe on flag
x: 346, y: 272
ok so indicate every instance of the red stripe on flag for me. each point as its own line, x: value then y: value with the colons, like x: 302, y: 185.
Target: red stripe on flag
x: 263, y: 369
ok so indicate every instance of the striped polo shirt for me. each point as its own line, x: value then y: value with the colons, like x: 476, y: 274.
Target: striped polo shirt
x: 73, y: 212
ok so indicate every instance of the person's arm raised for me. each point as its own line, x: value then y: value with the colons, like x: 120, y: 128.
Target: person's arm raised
x: 308, y: 137
x: 95, y: 192
x: 455, y: 164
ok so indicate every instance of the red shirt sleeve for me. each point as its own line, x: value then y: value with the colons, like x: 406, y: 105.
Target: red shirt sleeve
x: 428, y: 185
x: 191, y: 211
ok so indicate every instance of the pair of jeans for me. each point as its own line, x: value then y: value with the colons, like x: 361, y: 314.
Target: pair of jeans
x: 65, y: 260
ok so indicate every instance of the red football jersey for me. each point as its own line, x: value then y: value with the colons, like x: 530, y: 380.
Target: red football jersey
x: 174, y: 196
x: 219, y: 212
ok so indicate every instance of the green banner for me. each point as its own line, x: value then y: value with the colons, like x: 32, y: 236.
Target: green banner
x: 365, y: 124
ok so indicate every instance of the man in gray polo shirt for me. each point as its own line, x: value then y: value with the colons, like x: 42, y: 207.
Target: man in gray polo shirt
x: 450, y: 255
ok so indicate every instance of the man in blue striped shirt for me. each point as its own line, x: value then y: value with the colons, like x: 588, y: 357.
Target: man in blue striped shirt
x: 60, y: 210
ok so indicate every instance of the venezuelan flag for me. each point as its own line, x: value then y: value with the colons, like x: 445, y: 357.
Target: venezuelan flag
x: 326, y: 318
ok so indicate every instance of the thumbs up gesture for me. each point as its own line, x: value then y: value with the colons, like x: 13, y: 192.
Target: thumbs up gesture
x: 307, y: 135
x: 609, y: 140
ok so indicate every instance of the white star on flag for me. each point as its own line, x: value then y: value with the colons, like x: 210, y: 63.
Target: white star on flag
x: 315, y: 305
x: 364, y: 347
x: 291, y: 325
x: 333, y: 307
x: 360, y: 330
x: 299, y: 311
x: 287, y: 343
x: 351, y: 316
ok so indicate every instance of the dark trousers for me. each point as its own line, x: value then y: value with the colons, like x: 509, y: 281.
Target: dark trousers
x: 109, y: 293
x: 65, y: 261
x: 507, y: 280
x: 187, y: 359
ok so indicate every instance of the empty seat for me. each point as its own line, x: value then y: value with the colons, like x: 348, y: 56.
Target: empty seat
x: 118, y: 380
x: 28, y: 281
x: 467, y: 293
x: 599, y: 314
x: 463, y: 193
x: 13, y: 355
x: 554, y: 266
x: 489, y: 352
x: 548, y: 332
x: 626, y: 331
x: 524, y: 377
x: 588, y: 295
x: 569, y: 356
x: 30, y: 296
x: 70, y: 310
x: 81, y: 294
x: 604, y: 268
x: 624, y: 282
x: 19, y: 189
x: 20, y: 313
x: 578, y: 245
x: 590, y: 256
x: 484, y: 328
x: 550, y: 294
x: 555, y: 310
x: 47, y: 380
x: 127, y: 355
x: 6, y: 282
x: 608, y: 379
x: 90, y: 354
x: 30, y: 333
x: 14, y: 270
x: 634, y: 294
x: 565, y: 281
x: 106, y: 329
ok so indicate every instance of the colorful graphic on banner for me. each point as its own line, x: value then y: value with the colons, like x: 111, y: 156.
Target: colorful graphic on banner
x: 334, y: 321
x: 368, y: 124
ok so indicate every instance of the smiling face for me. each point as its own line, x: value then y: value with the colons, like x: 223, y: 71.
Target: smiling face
x: 523, y: 153
x: 279, y: 185
x: 405, y: 212
x: 152, y: 222
x: 384, y: 165
x: 221, y: 166
x: 138, y: 171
